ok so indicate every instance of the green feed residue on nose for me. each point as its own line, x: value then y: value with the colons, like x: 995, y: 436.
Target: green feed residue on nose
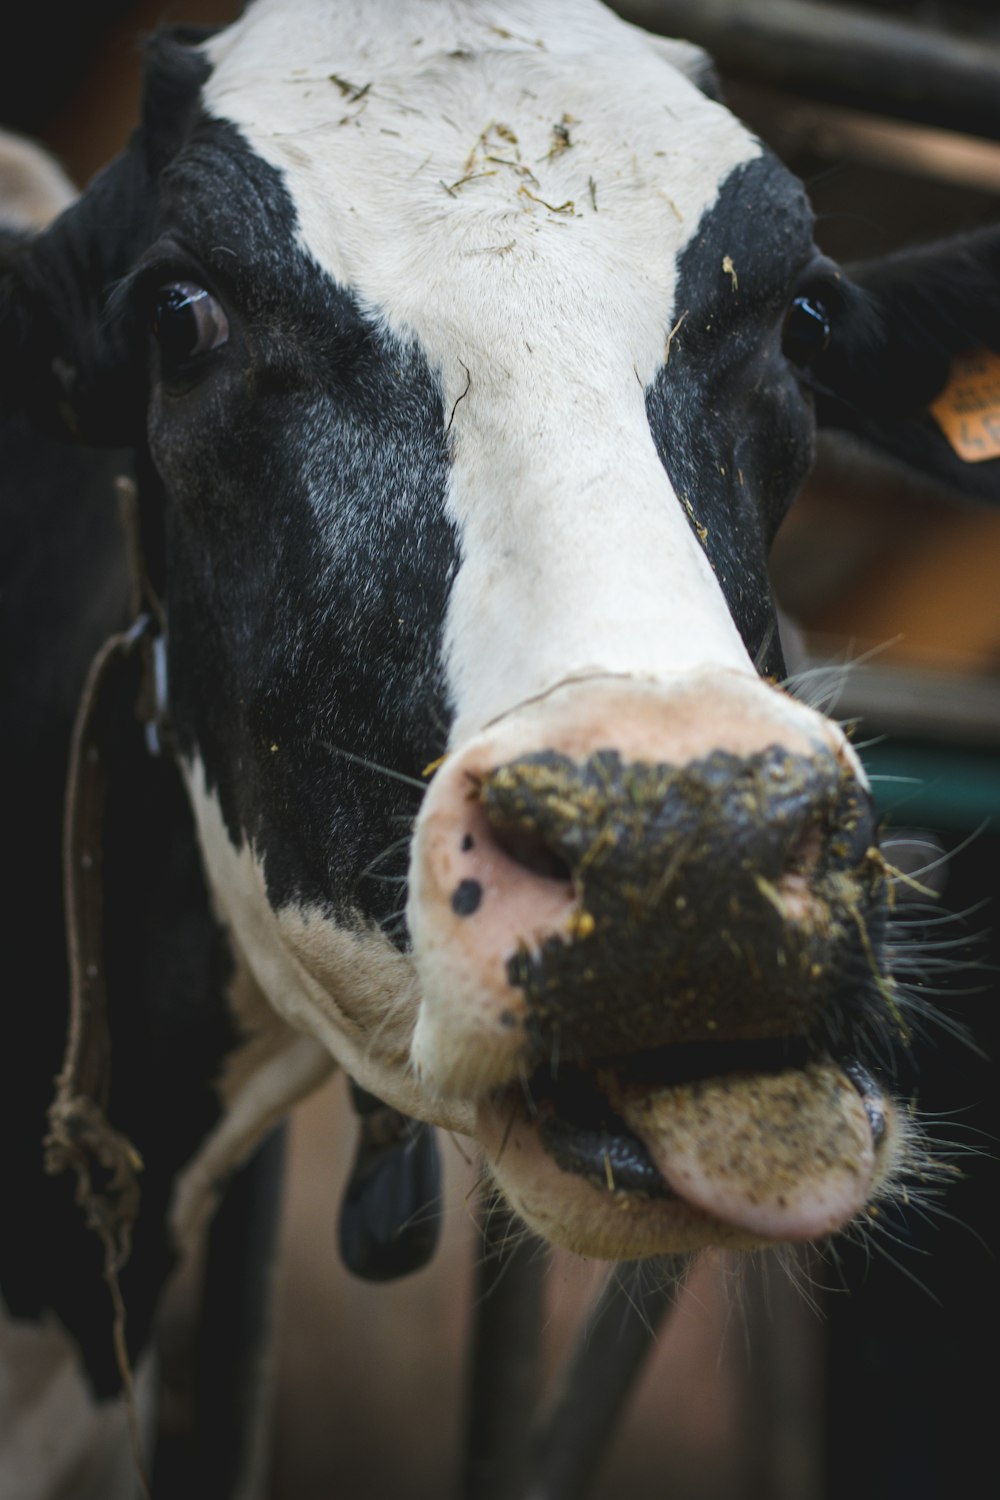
x: 712, y: 899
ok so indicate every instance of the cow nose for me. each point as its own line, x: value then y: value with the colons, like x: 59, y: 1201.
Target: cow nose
x: 627, y: 905
x: 703, y: 899
x: 589, y: 902
x: 609, y: 824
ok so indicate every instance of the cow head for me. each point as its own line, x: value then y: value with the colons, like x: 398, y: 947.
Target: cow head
x: 471, y: 366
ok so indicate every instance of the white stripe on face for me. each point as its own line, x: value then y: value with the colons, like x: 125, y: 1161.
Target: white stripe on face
x: 513, y: 189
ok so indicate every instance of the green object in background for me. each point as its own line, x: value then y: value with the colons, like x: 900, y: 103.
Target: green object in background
x: 935, y: 786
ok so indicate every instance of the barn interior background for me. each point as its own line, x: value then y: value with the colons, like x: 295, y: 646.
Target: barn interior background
x: 890, y: 112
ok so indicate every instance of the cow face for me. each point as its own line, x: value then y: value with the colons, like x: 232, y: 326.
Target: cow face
x: 468, y: 368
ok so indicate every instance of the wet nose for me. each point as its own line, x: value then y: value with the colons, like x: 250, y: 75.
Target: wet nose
x: 609, y: 825
x: 586, y: 902
x: 701, y: 901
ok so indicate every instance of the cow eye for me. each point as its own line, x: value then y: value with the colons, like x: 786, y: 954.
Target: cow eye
x: 188, y: 322
x: 806, y: 332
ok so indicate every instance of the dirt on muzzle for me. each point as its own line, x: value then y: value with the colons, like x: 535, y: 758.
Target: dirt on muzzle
x: 719, y: 900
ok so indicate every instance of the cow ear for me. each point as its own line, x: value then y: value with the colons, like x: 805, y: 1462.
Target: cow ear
x: 34, y: 189
x: 912, y: 366
x: 65, y: 358
x: 69, y: 355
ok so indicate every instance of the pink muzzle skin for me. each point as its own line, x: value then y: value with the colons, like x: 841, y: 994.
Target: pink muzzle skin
x: 624, y: 879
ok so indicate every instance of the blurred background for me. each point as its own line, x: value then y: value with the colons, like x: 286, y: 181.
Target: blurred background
x: 858, y: 1374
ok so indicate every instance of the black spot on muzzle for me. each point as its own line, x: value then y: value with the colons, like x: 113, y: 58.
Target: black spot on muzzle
x: 716, y: 900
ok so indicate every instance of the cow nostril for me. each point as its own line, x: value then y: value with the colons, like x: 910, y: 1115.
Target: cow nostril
x: 532, y: 852
x: 793, y: 893
x: 806, y: 852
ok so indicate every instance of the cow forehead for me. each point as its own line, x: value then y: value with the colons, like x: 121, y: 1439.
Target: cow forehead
x: 478, y: 175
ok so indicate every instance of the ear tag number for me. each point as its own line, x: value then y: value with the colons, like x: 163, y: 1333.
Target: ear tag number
x: 968, y: 409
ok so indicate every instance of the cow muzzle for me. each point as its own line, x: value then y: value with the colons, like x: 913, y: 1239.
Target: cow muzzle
x: 633, y: 911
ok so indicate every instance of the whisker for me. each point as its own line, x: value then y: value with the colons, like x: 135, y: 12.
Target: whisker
x: 371, y: 765
x: 958, y: 849
x: 935, y: 917
x: 765, y: 644
x: 400, y: 843
x: 928, y: 946
x: 830, y: 676
x: 394, y: 923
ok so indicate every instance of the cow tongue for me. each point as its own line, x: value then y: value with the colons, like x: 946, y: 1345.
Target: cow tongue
x: 788, y: 1156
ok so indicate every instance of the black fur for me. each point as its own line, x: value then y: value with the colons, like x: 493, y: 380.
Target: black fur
x: 304, y: 479
x: 293, y: 494
x: 732, y: 424
x: 64, y: 587
x: 898, y: 324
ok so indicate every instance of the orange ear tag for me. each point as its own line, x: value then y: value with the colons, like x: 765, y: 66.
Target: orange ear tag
x: 968, y: 409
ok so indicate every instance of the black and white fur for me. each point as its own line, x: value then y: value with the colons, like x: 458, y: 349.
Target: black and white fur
x: 502, y: 403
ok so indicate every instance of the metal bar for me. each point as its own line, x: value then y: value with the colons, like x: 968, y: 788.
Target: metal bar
x: 842, y: 55
x: 782, y: 1378
x: 223, y: 1451
x: 503, y: 1384
x: 616, y: 1338
x: 233, y: 1387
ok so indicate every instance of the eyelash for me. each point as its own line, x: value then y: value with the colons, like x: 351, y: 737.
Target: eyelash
x: 188, y: 322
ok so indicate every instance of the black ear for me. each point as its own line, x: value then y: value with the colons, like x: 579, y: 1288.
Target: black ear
x: 62, y: 354
x: 68, y: 357
x: 913, y: 363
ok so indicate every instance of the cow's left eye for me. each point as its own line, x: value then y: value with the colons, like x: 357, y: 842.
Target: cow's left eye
x: 188, y: 322
x: 806, y: 332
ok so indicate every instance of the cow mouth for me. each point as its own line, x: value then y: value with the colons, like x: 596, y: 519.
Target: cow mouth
x: 759, y: 1141
x: 583, y: 1133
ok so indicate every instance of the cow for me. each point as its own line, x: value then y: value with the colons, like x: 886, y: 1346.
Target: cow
x: 454, y: 365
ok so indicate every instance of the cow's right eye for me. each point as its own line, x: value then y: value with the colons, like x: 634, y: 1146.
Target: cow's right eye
x: 188, y: 322
x: 807, y: 331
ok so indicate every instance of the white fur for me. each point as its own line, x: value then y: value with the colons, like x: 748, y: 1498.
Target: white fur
x: 545, y: 323
x: 509, y: 188
x: 348, y: 988
x: 57, y: 1441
